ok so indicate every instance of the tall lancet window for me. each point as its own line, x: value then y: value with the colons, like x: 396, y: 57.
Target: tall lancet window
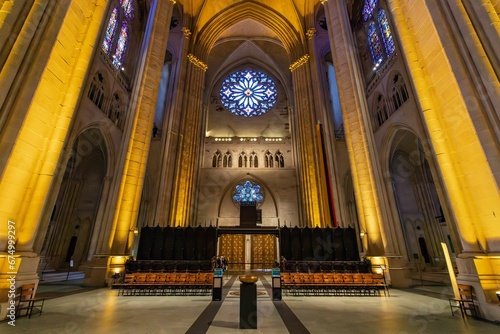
x: 117, y: 35
x: 128, y: 8
x: 375, y: 46
x: 111, y: 30
x: 369, y: 8
x: 383, y: 23
x: 121, y: 46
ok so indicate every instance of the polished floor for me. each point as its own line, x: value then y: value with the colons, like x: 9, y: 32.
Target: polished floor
x: 76, y: 310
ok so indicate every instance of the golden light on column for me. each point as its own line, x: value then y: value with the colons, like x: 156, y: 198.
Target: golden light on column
x: 30, y: 168
x: 462, y: 160
x: 137, y: 149
x: 363, y: 157
x: 184, y: 195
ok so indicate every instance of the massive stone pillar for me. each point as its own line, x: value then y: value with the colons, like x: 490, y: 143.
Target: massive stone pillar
x: 189, y: 141
x: 365, y: 170
x: 169, y: 144
x: 462, y: 133
x: 53, y: 47
x: 117, y: 244
x: 313, y: 187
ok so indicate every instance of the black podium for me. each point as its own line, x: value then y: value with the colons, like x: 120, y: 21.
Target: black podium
x: 248, y: 306
x: 276, y: 283
x: 217, y: 285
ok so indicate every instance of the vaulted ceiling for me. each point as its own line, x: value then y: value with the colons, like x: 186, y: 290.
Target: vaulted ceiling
x: 265, y: 35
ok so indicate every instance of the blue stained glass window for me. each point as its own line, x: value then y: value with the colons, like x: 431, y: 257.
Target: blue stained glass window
x: 368, y: 9
x: 248, y: 93
x: 121, y: 46
x: 383, y: 23
x: 111, y: 30
x: 375, y: 46
x: 248, y: 192
x: 128, y: 8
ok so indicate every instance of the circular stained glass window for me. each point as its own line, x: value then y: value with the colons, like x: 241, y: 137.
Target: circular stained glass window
x: 248, y: 93
x: 247, y: 193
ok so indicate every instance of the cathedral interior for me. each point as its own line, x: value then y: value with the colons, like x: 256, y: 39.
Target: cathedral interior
x: 381, y: 117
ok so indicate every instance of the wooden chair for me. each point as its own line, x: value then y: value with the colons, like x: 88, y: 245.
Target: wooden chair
x: 465, y: 303
x: 190, y: 284
x: 161, y: 282
x: 127, y: 287
x: 201, y: 285
x: 150, y: 284
x: 28, y: 303
x: 349, y: 287
x: 140, y: 283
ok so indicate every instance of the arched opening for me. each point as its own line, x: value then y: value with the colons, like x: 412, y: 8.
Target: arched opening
x: 73, y: 222
x: 419, y: 209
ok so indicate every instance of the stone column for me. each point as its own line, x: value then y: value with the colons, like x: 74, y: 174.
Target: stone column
x: 115, y: 245
x: 190, y: 132
x: 313, y: 208
x: 40, y: 115
x: 367, y: 181
x: 467, y: 173
x: 452, y: 134
x: 134, y: 154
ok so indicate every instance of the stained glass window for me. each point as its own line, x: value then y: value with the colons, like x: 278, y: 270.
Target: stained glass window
x: 128, y: 8
x: 383, y: 23
x: 375, y: 47
x: 248, y: 192
x: 111, y: 30
x: 368, y: 9
x: 248, y: 93
x: 121, y: 46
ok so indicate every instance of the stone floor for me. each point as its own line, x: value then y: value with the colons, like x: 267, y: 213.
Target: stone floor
x: 78, y: 310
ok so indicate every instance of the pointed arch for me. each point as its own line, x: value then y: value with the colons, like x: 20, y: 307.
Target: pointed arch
x: 254, y: 160
x: 217, y: 159
x: 97, y: 90
x: 279, y: 159
x: 268, y: 160
x: 228, y: 160
x: 270, y: 202
x: 291, y: 39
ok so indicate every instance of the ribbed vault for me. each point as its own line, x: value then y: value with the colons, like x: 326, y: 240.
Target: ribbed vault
x: 286, y: 32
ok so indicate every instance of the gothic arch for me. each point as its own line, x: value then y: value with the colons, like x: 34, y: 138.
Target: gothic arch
x: 79, y: 201
x: 104, y: 140
x: 397, y: 90
x: 227, y: 194
x: 291, y: 39
x: 415, y: 197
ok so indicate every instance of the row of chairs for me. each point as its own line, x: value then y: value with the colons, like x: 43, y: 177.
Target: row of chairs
x: 167, y: 266
x: 331, y: 284
x: 162, y: 284
x: 326, y: 266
